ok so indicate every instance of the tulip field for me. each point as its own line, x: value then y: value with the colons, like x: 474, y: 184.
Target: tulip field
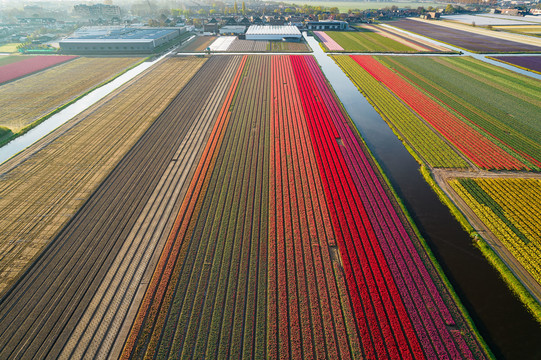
x: 289, y: 243
x: 485, y: 112
x: 421, y: 45
x: 29, y: 65
x: 469, y: 38
x: 10, y: 59
x: 434, y: 150
x: 365, y: 40
x: 26, y: 100
x: 530, y: 63
x: 510, y: 208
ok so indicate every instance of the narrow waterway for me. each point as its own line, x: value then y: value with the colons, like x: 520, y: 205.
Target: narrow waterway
x: 502, y: 320
x: 22, y: 142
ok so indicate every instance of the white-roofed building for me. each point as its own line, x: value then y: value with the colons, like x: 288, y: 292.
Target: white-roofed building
x: 266, y: 32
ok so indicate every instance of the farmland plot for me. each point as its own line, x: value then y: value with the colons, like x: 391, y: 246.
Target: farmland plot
x: 434, y: 150
x: 199, y: 44
x: 51, y: 180
x: 29, y: 65
x: 24, y: 101
x: 468, y: 40
x: 531, y: 63
x: 248, y: 45
x: 364, y: 40
x: 79, y: 291
x: 481, y: 119
x: 415, y: 43
x: 287, y: 243
x: 510, y: 209
x: 10, y: 59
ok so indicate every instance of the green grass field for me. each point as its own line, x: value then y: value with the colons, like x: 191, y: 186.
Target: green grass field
x: 8, y: 48
x: 344, y: 6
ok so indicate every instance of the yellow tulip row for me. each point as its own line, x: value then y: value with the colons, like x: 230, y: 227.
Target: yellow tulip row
x: 430, y: 146
x: 518, y: 201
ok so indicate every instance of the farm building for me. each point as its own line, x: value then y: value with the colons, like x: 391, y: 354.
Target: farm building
x: 262, y: 32
x: 232, y: 30
x: 432, y: 15
x: 327, y: 25
x: 118, y: 40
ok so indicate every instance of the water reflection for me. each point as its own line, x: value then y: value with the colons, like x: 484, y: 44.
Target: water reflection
x: 503, y: 321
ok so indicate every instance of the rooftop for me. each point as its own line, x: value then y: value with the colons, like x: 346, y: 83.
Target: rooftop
x: 273, y: 30
x: 119, y: 33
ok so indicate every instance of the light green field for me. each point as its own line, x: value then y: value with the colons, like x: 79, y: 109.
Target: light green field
x: 526, y: 30
x: 8, y: 48
x: 344, y: 6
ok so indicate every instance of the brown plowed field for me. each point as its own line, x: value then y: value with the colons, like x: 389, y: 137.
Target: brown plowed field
x: 199, y: 44
x: 43, y: 187
x: 41, y: 312
x: 248, y: 45
x: 100, y: 325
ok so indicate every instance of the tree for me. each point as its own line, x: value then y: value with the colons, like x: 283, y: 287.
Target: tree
x: 243, y: 8
x: 334, y: 10
x: 449, y: 9
x: 236, y: 7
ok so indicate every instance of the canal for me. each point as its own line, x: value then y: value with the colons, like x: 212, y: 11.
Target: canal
x: 22, y: 142
x: 505, y: 324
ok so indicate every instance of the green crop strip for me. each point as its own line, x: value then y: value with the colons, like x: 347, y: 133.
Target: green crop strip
x: 367, y: 41
x: 432, y: 148
x: 484, y: 199
x: 472, y: 101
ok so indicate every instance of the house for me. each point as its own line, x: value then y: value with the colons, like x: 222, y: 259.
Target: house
x: 431, y: 15
x: 233, y: 30
x: 297, y: 21
x: 327, y: 25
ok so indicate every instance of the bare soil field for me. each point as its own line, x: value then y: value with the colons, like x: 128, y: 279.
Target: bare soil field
x: 43, y: 187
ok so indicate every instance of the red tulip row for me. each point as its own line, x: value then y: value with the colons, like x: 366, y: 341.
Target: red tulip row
x: 31, y: 65
x: 386, y: 330
x: 303, y: 294
x: 250, y: 268
x: 415, y: 285
x: 475, y: 146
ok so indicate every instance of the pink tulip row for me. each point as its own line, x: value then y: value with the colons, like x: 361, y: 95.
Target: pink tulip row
x: 328, y: 41
x: 385, y: 327
x: 417, y: 288
x: 31, y: 65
